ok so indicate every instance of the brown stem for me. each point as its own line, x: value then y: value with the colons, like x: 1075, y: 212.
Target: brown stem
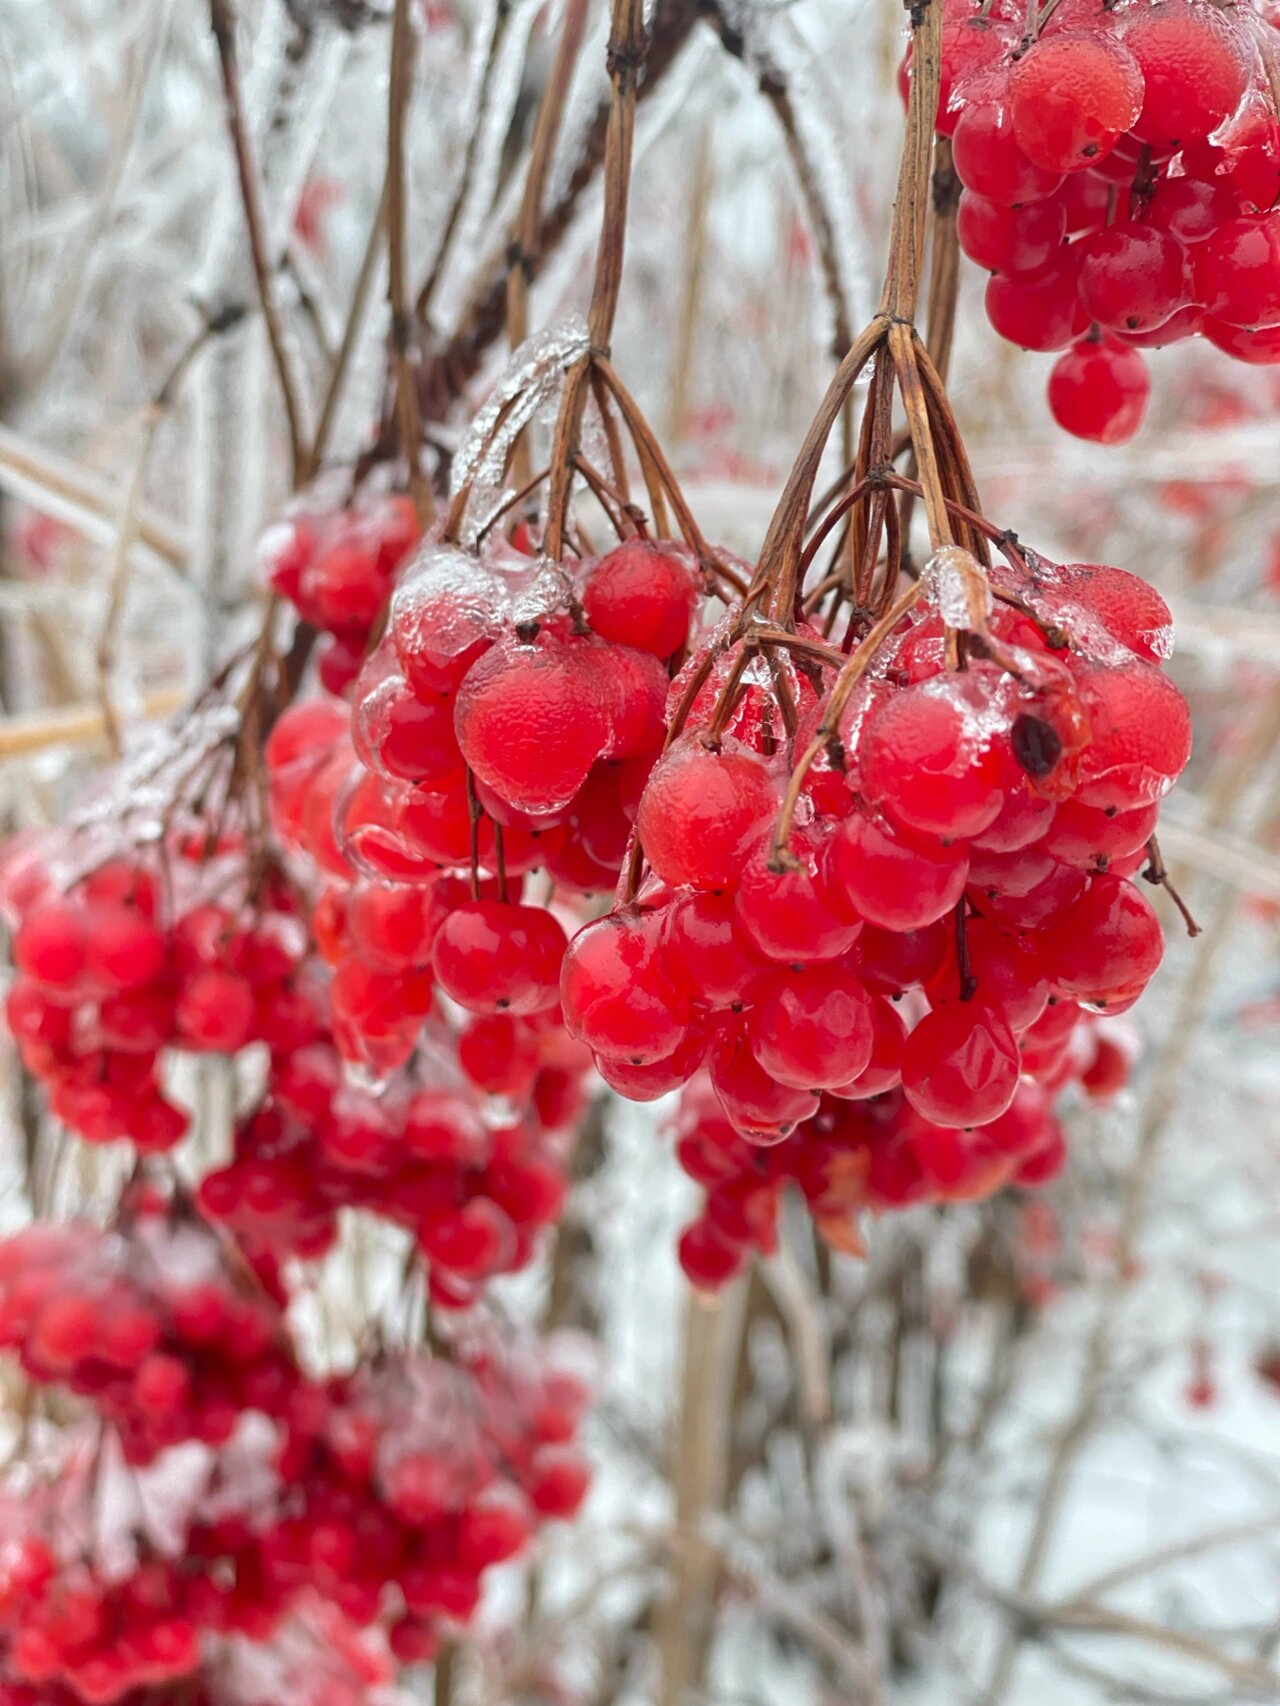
x: 508, y: 504
x: 1157, y: 872
x: 350, y: 335
x: 625, y: 57
x: 647, y: 446
x: 839, y: 697
x: 523, y: 254
x: 903, y: 342
x: 780, y: 554
x: 944, y: 271
x: 484, y: 319
x: 613, y: 436
x: 399, y: 83
x: 475, y: 812
x: 621, y: 518
x: 729, y: 696
x: 964, y: 969
x: 911, y: 206
x: 422, y: 307
x: 222, y: 22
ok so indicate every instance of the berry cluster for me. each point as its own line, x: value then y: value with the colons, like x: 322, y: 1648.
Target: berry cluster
x: 965, y: 835
x: 1121, y: 175
x: 506, y: 695
x: 424, y: 1474
x: 336, y: 565
x: 385, y: 1494
x: 474, y: 1184
x: 154, y: 1323
x: 494, y: 733
x: 122, y: 957
x: 878, y: 1153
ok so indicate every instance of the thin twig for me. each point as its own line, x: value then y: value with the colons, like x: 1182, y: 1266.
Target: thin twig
x: 55, y: 486
x: 626, y: 52
x: 350, y: 334
x: 222, y: 21
x: 684, y: 1621
x: 398, y: 88
x: 77, y: 725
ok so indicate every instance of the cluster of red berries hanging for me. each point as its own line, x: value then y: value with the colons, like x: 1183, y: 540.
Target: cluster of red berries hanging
x: 878, y: 1153
x: 1121, y: 172
x: 511, y: 693
x: 336, y: 563
x: 381, y: 1497
x: 474, y: 1180
x: 142, y: 932
x: 946, y: 889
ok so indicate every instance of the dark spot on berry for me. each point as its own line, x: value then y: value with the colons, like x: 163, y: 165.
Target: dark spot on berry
x: 1037, y: 745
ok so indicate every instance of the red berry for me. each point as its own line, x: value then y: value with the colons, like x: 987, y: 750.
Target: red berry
x: 50, y: 945
x: 616, y: 996
x: 1261, y: 348
x: 700, y: 811
x: 990, y: 162
x: 1072, y: 96
x: 1099, y: 390
x: 1010, y: 239
x: 891, y: 880
x: 927, y: 758
x: 531, y: 719
x: 1107, y: 946
x: 960, y: 1065
x: 1237, y: 271
x: 1193, y: 65
x: 1040, y: 310
x: 492, y: 957
x: 642, y: 594
x: 1133, y: 277
x: 813, y: 1028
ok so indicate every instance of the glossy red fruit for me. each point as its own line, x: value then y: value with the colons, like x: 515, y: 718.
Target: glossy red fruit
x: 616, y: 996
x: 1010, y: 239
x: 642, y: 594
x: 785, y: 915
x: 1133, y: 276
x: 989, y: 161
x: 1260, y: 348
x: 960, y: 1065
x: 714, y: 959
x: 531, y: 720
x: 928, y: 760
x: 761, y: 1108
x: 883, y: 1070
x: 494, y: 957
x: 1072, y: 97
x: 702, y: 809
x: 1099, y: 390
x: 1140, y: 734
x: 1194, y: 69
x: 899, y: 882
x: 813, y: 1028
x: 1237, y: 272
x: 1127, y: 607
x: 1107, y: 946
x: 1040, y: 310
